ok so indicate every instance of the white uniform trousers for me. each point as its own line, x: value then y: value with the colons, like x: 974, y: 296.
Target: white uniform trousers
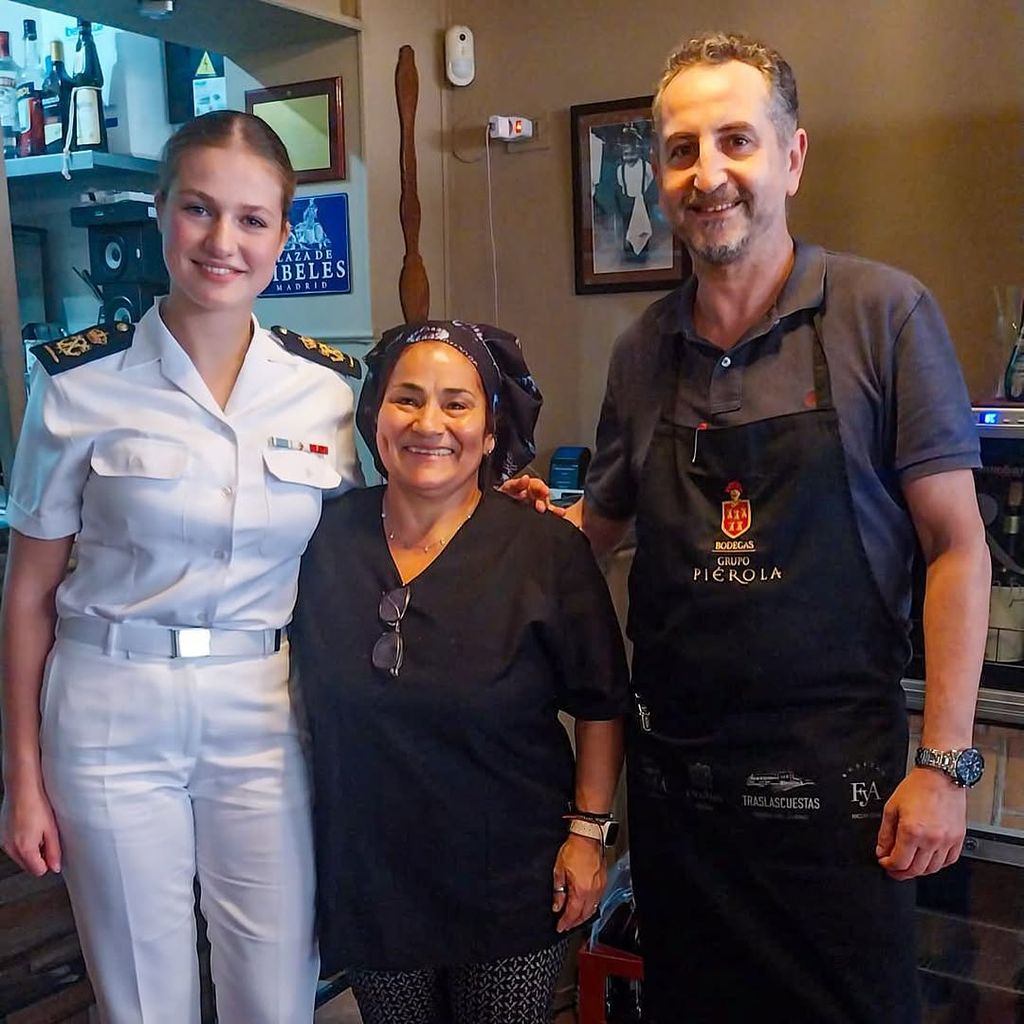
x: 160, y: 770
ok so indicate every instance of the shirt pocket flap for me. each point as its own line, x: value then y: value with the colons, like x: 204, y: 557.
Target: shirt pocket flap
x: 297, y: 467
x: 139, y: 456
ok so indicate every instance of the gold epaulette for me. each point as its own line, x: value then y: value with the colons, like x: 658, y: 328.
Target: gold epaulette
x: 93, y: 343
x: 318, y: 352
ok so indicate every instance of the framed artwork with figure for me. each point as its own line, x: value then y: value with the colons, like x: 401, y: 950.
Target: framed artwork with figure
x: 623, y: 242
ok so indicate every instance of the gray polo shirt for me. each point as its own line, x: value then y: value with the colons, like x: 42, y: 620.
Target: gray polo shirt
x: 896, y: 384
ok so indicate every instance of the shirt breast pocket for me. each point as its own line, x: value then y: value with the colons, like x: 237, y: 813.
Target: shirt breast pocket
x: 137, y: 490
x: 295, y: 482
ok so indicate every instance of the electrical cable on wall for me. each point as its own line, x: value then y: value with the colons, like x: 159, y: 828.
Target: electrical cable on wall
x: 490, y: 221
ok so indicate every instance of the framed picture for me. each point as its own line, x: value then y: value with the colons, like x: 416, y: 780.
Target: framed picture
x: 309, y: 117
x: 623, y: 241
x: 316, y: 258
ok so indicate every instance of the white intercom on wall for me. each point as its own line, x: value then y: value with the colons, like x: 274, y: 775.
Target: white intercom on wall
x: 459, y: 62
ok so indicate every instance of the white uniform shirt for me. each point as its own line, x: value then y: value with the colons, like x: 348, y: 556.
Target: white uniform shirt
x: 186, y: 514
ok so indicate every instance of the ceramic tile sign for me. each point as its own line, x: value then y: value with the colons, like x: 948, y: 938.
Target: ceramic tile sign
x: 315, y: 260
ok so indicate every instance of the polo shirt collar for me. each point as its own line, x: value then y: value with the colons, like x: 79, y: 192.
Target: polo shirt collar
x: 804, y: 289
x: 805, y: 286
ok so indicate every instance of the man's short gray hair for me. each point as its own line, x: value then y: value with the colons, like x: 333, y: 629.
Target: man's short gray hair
x: 720, y: 48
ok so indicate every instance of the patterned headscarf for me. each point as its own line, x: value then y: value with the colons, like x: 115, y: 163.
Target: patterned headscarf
x: 514, y: 398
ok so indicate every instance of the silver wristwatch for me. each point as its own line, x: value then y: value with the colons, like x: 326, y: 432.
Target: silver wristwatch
x: 965, y: 767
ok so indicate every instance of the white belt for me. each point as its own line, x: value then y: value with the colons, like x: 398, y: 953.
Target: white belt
x: 165, y: 642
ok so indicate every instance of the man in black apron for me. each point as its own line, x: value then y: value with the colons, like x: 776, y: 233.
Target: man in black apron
x: 782, y: 428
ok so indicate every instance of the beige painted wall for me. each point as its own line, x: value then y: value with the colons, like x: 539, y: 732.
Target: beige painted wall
x: 388, y: 25
x: 914, y: 111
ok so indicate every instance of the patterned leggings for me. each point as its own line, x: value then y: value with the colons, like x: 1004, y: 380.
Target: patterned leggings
x: 517, y: 990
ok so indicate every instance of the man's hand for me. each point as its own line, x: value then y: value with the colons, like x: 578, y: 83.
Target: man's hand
x: 923, y: 825
x: 531, y: 488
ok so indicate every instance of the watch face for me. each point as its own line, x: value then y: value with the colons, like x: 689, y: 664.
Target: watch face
x: 611, y: 833
x: 969, y: 766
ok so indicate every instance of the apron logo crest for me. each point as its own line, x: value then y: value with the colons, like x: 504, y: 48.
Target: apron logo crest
x: 773, y: 794
x: 869, y: 787
x: 778, y: 782
x: 736, y: 513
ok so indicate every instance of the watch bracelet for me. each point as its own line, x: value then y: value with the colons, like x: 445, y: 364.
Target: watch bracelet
x: 577, y: 815
x: 944, y: 761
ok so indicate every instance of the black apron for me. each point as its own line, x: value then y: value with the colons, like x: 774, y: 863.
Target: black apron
x: 771, y: 731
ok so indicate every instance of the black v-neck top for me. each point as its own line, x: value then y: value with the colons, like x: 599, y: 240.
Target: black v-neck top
x: 439, y: 795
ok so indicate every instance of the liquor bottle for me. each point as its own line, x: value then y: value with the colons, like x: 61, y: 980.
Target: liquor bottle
x: 9, y: 72
x: 30, y: 81
x: 90, y: 129
x: 31, y: 141
x: 56, y: 99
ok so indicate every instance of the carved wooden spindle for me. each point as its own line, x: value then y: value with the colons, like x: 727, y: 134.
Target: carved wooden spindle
x: 413, y: 287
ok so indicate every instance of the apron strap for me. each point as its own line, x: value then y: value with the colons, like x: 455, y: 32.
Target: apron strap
x: 822, y: 379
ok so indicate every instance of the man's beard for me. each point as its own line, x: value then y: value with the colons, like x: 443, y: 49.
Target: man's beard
x: 719, y: 253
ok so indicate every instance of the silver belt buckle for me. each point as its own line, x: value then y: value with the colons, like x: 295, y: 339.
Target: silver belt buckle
x: 190, y: 643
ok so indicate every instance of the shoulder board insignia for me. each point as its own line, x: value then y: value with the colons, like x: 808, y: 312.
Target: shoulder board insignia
x: 93, y: 343
x: 318, y: 352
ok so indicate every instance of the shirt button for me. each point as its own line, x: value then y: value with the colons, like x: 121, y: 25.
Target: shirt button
x: 219, y: 554
x: 726, y: 362
x: 227, y: 491
x: 203, y: 616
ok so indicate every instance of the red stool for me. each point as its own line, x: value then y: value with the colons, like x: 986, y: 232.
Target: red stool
x: 594, y: 964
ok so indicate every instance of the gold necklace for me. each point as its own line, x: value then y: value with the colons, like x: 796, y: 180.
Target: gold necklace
x: 440, y: 542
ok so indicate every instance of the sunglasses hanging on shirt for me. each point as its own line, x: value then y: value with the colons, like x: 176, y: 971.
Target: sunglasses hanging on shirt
x: 389, y: 649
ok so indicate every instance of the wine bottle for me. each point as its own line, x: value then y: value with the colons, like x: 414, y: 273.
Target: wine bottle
x: 9, y: 74
x: 56, y: 99
x: 30, y: 81
x: 90, y: 129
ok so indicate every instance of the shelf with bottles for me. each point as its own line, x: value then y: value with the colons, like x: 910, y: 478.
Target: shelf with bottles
x: 47, y: 105
x: 79, y: 163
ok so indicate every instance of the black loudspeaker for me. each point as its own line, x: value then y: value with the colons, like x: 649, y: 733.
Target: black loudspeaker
x: 126, y: 252
x: 128, y: 301
x: 124, y: 243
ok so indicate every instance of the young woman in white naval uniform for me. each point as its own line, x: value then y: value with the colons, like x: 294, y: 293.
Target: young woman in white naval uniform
x: 147, y: 728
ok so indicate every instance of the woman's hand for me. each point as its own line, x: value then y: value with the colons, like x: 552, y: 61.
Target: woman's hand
x: 35, y: 568
x: 579, y: 879
x: 28, y: 831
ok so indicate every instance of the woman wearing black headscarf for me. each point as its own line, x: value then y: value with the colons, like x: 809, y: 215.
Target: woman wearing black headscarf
x: 440, y: 628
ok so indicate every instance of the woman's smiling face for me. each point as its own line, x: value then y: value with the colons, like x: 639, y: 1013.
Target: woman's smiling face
x: 222, y: 226
x: 432, y: 430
